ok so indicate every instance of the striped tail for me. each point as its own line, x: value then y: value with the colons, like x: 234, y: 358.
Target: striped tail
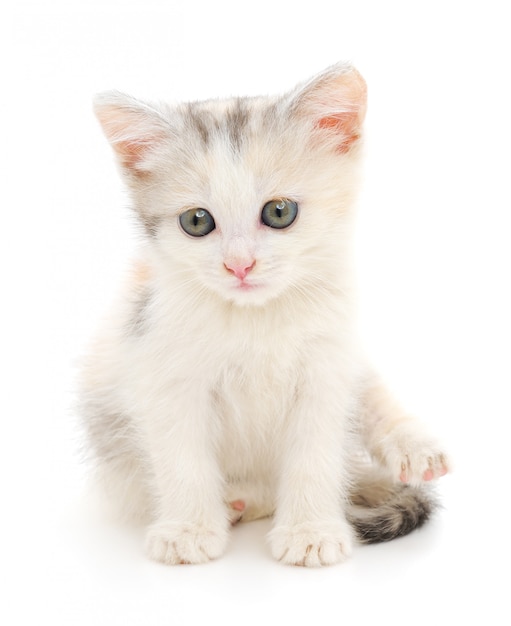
x: 381, y: 510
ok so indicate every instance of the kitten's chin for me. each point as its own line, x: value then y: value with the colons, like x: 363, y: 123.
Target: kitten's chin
x: 248, y: 294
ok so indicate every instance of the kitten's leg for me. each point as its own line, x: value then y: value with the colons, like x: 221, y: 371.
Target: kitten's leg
x: 192, y: 524
x: 310, y: 527
x: 120, y: 471
x: 397, y: 440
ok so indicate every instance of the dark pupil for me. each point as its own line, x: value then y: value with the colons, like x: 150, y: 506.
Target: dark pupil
x: 198, y: 217
x: 280, y: 210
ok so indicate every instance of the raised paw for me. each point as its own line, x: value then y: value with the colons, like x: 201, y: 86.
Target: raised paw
x: 311, y: 544
x: 412, y: 456
x: 437, y: 467
x: 176, y: 543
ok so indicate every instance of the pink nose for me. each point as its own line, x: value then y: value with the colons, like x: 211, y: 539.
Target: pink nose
x: 239, y: 269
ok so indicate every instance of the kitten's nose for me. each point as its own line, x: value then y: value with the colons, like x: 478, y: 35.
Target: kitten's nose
x: 239, y: 268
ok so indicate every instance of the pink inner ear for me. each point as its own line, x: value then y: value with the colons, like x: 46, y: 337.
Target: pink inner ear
x: 131, y: 153
x: 337, y: 101
x: 346, y: 125
x: 132, y: 132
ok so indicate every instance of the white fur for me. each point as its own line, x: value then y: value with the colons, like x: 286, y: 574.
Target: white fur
x: 212, y: 392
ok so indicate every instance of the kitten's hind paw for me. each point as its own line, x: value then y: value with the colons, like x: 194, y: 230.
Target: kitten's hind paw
x: 311, y: 545
x: 176, y: 543
x: 236, y: 510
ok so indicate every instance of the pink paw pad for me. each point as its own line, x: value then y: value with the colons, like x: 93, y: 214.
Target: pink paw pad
x: 403, y: 477
x: 238, y: 505
x: 428, y: 475
x: 237, y: 509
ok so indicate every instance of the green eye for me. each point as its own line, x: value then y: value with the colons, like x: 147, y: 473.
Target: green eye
x: 279, y: 213
x: 197, y: 222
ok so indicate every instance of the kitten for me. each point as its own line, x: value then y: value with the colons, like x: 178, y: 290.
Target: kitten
x: 227, y: 383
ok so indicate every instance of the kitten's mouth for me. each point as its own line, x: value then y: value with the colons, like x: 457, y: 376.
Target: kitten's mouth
x: 249, y: 292
x: 245, y: 286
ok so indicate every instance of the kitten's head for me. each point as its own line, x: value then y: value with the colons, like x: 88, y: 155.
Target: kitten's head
x: 246, y: 198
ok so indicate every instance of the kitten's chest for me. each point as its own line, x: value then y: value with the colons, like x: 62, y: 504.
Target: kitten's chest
x: 264, y: 373
x: 257, y: 381
x: 253, y: 397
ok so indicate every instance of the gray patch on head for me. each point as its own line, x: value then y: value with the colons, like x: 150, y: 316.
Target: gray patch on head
x: 271, y: 114
x: 237, y: 118
x: 205, y: 124
x: 198, y: 122
x: 202, y: 122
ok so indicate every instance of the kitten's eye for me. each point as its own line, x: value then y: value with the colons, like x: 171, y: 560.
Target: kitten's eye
x: 279, y: 213
x: 197, y: 222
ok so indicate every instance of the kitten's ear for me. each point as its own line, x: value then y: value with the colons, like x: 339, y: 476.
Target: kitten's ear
x: 335, y: 101
x: 134, y: 129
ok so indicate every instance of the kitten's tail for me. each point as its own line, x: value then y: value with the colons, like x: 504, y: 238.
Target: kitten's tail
x: 381, y: 510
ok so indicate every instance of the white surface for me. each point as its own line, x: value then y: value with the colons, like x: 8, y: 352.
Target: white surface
x: 434, y: 261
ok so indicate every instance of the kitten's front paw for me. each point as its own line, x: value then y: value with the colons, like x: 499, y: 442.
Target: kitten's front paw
x: 175, y: 543
x: 412, y: 456
x: 311, y: 544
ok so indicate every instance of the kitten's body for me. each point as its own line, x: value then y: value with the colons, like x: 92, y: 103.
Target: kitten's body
x: 229, y: 372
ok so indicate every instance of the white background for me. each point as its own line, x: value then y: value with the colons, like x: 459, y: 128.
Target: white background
x: 433, y: 258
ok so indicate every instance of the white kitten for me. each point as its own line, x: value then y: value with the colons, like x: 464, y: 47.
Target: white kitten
x: 226, y: 384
